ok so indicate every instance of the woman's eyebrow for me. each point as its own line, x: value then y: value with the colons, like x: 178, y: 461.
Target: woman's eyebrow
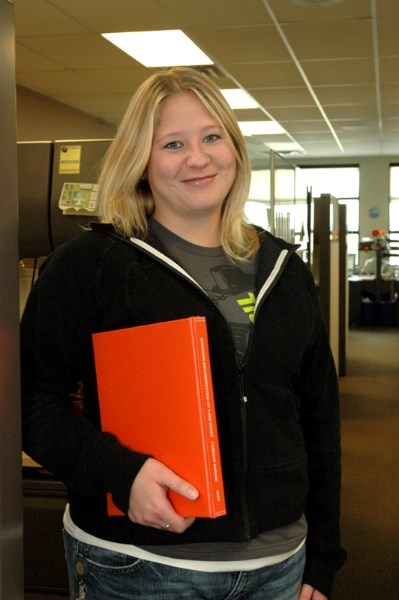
x: 182, y: 132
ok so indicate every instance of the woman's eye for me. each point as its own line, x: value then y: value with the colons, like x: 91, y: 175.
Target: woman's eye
x: 212, y: 137
x: 173, y: 145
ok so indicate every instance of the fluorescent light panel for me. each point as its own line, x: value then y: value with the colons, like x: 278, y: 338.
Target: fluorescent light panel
x: 165, y: 48
x: 239, y: 99
x: 260, y: 128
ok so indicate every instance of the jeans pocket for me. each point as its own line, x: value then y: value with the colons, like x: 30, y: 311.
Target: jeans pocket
x: 97, y: 573
x: 101, y: 560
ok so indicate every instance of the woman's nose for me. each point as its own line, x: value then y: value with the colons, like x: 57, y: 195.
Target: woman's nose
x: 198, y: 156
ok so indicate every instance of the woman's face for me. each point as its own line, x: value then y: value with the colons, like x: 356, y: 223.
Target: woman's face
x: 192, y: 165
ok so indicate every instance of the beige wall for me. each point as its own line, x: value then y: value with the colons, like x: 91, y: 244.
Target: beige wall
x: 41, y: 118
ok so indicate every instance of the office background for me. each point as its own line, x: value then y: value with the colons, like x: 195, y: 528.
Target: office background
x: 326, y: 72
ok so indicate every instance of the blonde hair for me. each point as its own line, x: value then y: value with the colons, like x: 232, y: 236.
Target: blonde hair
x: 125, y: 197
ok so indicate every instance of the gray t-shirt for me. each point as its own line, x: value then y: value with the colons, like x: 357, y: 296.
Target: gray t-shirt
x: 231, y: 286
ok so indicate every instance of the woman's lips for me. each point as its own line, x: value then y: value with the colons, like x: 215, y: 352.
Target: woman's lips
x: 199, y: 180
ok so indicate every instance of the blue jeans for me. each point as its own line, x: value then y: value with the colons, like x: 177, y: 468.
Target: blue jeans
x: 98, y: 574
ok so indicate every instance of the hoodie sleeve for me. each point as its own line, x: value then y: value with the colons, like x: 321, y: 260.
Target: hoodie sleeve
x: 57, y: 357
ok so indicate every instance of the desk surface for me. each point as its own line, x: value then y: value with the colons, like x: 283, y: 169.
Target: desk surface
x: 361, y: 278
x: 366, y: 278
x: 27, y: 461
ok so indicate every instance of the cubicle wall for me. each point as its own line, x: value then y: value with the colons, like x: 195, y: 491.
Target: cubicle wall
x: 328, y: 262
x: 343, y: 289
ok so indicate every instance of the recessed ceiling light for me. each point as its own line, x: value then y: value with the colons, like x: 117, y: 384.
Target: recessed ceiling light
x: 239, y: 99
x: 165, y: 48
x: 260, y: 128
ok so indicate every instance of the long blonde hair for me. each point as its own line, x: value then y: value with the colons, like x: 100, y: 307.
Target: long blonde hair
x: 125, y: 197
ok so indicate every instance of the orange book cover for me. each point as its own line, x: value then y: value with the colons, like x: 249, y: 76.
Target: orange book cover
x: 156, y: 395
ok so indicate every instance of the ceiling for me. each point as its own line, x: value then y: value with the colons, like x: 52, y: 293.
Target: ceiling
x: 328, y: 74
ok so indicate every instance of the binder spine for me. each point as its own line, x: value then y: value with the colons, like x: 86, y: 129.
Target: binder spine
x: 211, y: 444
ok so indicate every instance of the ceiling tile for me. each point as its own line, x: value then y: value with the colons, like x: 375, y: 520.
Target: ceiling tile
x: 349, y: 111
x: 339, y: 71
x: 285, y: 114
x: 64, y: 84
x: 117, y: 81
x: 345, y: 94
x: 268, y: 74
x: 390, y: 93
x: 39, y: 17
x: 79, y: 51
x: 216, y: 13
x: 115, y: 15
x: 389, y: 69
x: 288, y: 12
x: 240, y: 44
x: 27, y: 60
x: 388, y: 31
x: 307, y: 126
x: 335, y: 39
x: 284, y: 97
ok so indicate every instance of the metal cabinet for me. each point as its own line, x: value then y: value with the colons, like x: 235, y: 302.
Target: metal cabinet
x: 44, y: 500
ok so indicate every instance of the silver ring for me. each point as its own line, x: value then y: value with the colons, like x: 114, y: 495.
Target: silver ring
x: 166, y: 526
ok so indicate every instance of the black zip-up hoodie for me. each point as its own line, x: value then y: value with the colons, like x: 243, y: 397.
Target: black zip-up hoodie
x: 278, y: 412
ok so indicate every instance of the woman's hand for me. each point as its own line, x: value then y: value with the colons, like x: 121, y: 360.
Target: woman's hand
x: 149, y: 504
x: 309, y: 593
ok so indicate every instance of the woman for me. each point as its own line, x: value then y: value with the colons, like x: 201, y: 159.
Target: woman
x: 173, y: 243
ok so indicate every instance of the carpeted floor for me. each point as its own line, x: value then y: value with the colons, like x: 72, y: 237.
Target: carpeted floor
x: 370, y: 443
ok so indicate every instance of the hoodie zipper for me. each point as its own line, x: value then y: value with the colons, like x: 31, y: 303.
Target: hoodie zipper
x: 263, y: 293
x: 244, y: 421
x: 243, y: 408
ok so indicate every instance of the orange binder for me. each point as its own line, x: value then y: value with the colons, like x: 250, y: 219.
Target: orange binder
x: 155, y: 394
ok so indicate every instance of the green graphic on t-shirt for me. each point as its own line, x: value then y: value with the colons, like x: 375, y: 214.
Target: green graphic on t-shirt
x: 248, y: 305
